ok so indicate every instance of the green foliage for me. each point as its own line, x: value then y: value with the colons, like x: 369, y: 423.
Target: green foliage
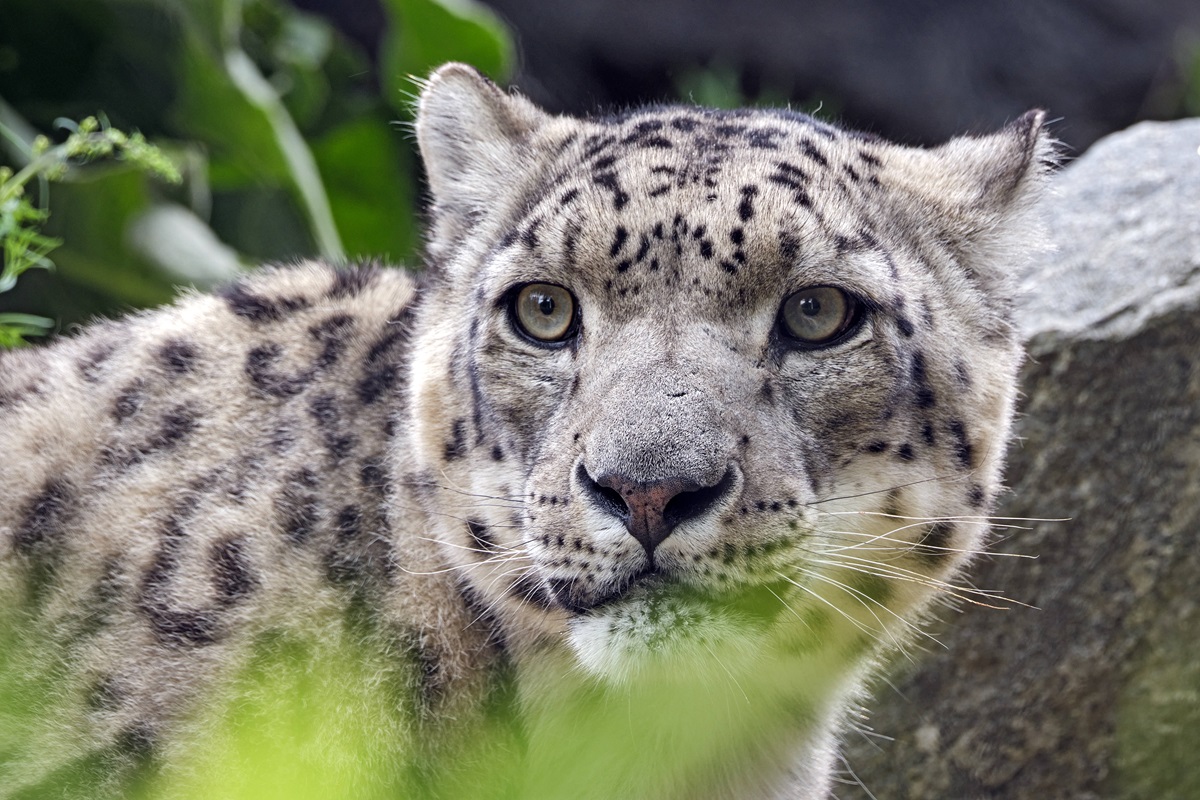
x: 287, y: 141
x: 341, y: 712
x: 720, y: 86
x: 25, y: 247
x: 435, y: 31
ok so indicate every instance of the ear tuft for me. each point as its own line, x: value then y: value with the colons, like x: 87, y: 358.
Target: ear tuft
x: 471, y: 135
x: 985, y: 177
x: 983, y: 193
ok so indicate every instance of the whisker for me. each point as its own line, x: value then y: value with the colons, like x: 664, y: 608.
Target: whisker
x: 468, y: 548
x: 815, y: 594
x: 866, y: 600
x: 964, y: 593
x: 515, y: 500
x: 732, y: 678
x: 934, y: 479
x: 950, y: 518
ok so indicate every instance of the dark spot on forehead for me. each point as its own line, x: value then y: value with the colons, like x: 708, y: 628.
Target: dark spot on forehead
x: 764, y: 138
x: 529, y: 236
x: 789, y: 246
x: 609, y: 181
x: 597, y: 143
x: 927, y: 433
x: 746, y: 205
x: 813, y: 152
x: 619, y: 239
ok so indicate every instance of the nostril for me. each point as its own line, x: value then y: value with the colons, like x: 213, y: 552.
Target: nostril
x: 650, y: 510
x: 696, y: 502
x: 606, y: 498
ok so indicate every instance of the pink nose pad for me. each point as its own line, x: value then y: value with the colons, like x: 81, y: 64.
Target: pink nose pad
x: 651, y: 510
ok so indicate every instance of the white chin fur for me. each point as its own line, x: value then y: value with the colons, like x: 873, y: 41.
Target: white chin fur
x: 664, y: 636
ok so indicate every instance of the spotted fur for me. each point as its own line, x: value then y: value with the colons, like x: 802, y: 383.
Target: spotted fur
x: 316, y: 449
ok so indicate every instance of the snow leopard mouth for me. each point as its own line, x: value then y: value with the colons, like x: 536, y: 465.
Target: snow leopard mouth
x: 756, y: 603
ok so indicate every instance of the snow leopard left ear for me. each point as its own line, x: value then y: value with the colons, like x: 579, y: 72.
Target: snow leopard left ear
x: 472, y: 137
x: 981, y: 189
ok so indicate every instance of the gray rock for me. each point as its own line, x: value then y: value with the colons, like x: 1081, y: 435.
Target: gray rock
x: 1090, y: 688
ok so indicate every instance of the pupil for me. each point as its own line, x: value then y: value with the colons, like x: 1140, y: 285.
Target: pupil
x: 810, y: 306
x: 546, y: 305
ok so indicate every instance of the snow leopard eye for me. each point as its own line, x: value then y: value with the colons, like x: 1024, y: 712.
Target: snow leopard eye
x: 545, y: 312
x: 819, y: 315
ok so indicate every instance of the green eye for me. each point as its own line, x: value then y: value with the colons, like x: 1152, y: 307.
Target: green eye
x: 544, y: 311
x: 818, y: 315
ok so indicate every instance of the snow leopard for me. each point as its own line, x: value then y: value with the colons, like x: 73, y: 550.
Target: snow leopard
x: 689, y: 420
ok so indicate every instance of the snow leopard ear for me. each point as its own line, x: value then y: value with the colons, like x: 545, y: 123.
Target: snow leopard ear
x: 982, y: 189
x: 472, y: 138
x: 999, y: 172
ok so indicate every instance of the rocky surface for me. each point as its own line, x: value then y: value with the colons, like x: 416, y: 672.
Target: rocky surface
x: 1092, y: 688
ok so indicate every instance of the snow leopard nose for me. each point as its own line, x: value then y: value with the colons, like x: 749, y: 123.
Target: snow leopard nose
x: 650, y: 510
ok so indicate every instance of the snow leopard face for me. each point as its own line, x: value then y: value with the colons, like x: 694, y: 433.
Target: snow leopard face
x: 696, y: 379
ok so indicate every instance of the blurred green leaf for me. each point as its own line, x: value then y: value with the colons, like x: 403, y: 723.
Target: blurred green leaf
x: 209, y: 108
x: 14, y: 328
x: 92, y: 217
x: 426, y: 33
x: 361, y: 163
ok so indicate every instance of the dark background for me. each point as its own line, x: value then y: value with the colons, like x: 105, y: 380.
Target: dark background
x: 918, y: 71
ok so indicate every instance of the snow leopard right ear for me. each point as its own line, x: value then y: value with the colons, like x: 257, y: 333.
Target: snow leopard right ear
x: 472, y: 137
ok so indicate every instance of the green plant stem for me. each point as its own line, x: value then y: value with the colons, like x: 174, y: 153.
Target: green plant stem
x: 299, y: 157
x: 16, y: 134
x: 15, y: 185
